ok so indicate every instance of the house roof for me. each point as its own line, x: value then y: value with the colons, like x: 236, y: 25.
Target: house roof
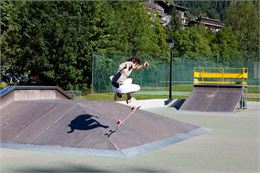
x: 207, y: 21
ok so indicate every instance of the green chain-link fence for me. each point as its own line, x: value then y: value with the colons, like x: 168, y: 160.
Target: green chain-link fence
x: 156, y: 77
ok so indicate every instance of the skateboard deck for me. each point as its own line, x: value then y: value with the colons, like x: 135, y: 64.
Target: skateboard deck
x: 120, y: 122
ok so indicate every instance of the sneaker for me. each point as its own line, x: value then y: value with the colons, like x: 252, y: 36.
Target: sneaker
x: 131, y: 101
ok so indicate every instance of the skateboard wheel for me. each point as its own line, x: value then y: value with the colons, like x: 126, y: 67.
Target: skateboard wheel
x: 119, y: 121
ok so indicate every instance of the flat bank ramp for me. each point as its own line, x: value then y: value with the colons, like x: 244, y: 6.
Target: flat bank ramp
x: 213, y: 99
x: 87, y: 126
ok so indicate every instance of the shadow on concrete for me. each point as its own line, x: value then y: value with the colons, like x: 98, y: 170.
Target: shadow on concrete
x: 67, y: 169
x: 177, y: 105
x: 149, y: 170
x: 85, y: 122
x: 88, y: 169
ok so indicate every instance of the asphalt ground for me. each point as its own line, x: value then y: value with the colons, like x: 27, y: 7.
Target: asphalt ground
x: 232, y: 146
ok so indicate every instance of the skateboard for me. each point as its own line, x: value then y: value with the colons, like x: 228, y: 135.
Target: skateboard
x: 120, y: 122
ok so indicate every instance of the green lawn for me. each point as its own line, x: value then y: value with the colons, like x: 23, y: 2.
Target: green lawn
x: 110, y: 96
x: 188, y: 88
x: 254, y: 89
x: 178, y: 92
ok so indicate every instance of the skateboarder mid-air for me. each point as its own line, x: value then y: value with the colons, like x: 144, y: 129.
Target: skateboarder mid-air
x: 122, y: 83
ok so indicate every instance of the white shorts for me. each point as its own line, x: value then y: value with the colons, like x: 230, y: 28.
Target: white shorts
x: 127, y: 87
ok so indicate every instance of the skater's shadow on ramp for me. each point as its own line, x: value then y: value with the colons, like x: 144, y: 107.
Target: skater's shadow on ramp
x: 85, y: 122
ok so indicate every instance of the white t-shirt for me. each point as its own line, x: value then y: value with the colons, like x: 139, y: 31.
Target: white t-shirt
x: 125, y: 69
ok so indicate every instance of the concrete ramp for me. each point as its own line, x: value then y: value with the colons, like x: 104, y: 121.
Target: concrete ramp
x: 213, y: 98
x: 45, y: 118
x: 71, y: 126
x: 18, y: 93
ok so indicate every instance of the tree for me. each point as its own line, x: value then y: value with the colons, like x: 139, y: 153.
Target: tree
x: 175, y: 22
x: 47, y: 40
x: 56, y: 40
x: 243, y: 18
x: 193, y: 43
x: 137, y: 30
x: 225, y: 47
x: 212, y: 9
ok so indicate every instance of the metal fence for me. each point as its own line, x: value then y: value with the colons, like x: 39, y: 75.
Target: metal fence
x: 156, y: 77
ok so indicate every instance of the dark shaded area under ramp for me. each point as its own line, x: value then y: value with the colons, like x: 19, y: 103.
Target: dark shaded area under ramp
x: 213, y: 99
x: 71, y: 125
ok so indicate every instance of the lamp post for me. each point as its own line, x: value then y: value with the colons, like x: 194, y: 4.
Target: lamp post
x: 171, y: 44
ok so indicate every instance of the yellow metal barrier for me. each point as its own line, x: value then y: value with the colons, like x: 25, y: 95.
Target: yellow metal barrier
x: 223, y: 76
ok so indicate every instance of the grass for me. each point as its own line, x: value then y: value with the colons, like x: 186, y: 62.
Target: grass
x: 110, y: 96
x: 3, y: 85
x: 179, y: 92
x: 175, y: 88
x: 254, y: 99
x: 188, y: 88
x: 254, y: 89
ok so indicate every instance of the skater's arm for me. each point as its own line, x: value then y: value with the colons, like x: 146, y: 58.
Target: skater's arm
x: 140, y: 66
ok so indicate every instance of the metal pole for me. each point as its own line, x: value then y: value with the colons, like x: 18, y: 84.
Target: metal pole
x: 170, y: 85
x: 167, y: 102
x: 92, y: 72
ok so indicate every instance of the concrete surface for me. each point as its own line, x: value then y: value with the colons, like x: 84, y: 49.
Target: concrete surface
x: 89, y: 127
x: 232, y: 146
x: 146, y: 104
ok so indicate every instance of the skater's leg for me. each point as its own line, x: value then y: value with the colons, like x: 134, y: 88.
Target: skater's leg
x: 118, y: 93
x: 131, y: 101
x: 128, y: 97
x: 115, y: 97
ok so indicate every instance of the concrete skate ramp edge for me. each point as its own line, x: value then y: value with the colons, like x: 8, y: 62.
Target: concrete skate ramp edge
x: 82, y: 126
x: 129, y: 152
x: 213, y: 99
x: 15, y: 93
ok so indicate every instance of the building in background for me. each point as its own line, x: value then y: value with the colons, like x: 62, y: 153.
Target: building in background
x: 164, y: 10
x: 214, y: 24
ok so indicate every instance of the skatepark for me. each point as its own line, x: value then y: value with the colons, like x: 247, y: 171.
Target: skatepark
x: 129, y: 87
x: 214, y: 130
x: 61, y: 123
x: 45, y: 130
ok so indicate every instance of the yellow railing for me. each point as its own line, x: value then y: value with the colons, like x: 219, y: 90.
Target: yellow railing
x: 223, y: 76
